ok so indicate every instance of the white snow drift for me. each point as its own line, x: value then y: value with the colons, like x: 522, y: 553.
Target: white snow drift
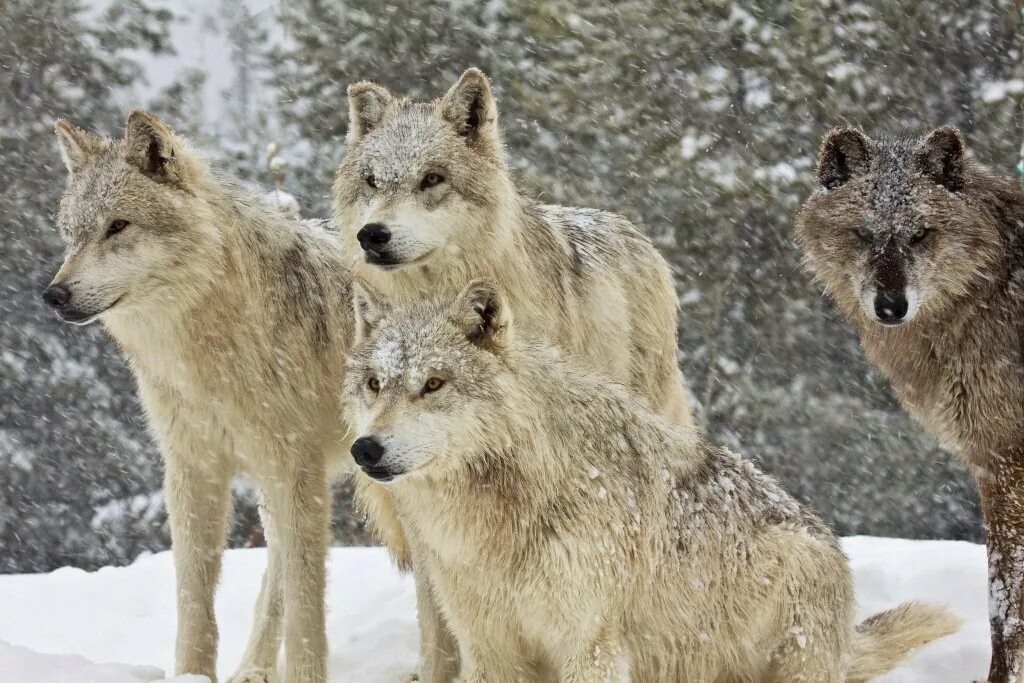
x: 83, y: 620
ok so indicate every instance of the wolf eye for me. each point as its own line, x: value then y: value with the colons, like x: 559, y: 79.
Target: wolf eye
x: 374, y: 384
x: 116, y: 227
x: 432, y: 385
x: 371, y: 181
x: 431, y: 180
x: 864, y: 234
x: 919, y: 235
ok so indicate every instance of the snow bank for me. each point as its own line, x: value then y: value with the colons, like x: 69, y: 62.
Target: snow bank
x: 127, y: 614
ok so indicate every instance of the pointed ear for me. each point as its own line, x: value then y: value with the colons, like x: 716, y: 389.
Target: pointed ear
x: 153, y: 148
x: 942, y: 157
x: 470, y: 107
x: 368, y: 308
x: 366, y: 104
x: 844, y: 155
x: 481, y: 311
x: 76, y: 146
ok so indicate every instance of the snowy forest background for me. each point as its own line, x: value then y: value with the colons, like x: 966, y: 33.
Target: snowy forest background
x: 698, y: 120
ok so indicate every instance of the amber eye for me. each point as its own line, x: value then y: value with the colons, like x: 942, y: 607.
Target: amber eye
x: 374, y: 384
x: 431, y: 180
x: 432, y: 385
x: 919, y: 235
x: 371, y: 181
x: 116, y: 227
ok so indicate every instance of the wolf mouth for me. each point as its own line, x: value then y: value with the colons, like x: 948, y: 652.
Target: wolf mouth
x: 381, y: 260
x: 81, y: 319
x: 380, y: 474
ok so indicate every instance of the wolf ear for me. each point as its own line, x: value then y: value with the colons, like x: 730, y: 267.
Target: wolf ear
x: 470, y: 107
x: 942, y: 157
x: 482, y: 313
x: 76, y: 146
x: 151, y: 147
x: 844, y: 155
x: 366, y: 104
x: 368, y: 310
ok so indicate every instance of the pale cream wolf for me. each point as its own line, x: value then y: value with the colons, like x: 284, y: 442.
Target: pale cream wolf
x: 425, y: 203
x: 922, y: 249
x: 568, y: 528
x: 235, y: 321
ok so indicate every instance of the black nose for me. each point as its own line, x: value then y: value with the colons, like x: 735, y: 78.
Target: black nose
x: 57, y: 296
x: 367, y: 451
x: 373, y: 236
x: 890, y: 307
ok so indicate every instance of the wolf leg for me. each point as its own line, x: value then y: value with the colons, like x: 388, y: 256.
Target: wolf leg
x: 1003, y: 507
x: 198, y: 503
x: 259, y: 663
x: 301, y: 506
x: 439, y: 657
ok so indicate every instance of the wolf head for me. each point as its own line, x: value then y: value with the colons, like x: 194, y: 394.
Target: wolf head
x: 423, y: 379
x: 892, y: 229
x: 128, y: 223
x: 419, y: 181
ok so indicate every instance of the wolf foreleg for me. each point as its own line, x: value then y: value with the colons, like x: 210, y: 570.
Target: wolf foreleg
x: 301, y: 507
x: 439, y: 657
x: 1002, y: 501
x: 198, y: 503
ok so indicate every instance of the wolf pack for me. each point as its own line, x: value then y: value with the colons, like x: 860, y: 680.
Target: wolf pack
x: 500, y: 378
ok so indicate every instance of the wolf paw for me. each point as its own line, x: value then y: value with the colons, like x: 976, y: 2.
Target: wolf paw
x: 253, y: 676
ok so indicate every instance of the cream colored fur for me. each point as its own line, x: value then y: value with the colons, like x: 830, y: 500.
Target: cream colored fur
x: 570, y: 532
x: 235, y: 322
x: 585, y: 280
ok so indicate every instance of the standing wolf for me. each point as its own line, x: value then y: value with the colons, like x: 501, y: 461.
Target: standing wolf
x: 566, y: 526
x: 235, y: 321
x: 922, y: 250
x: 425, y: 203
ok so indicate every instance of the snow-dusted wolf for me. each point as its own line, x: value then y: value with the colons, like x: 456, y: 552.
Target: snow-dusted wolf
x: 425, y: 203
x: 567, y: 527
x: 922, y: 249
x: 235, y: 321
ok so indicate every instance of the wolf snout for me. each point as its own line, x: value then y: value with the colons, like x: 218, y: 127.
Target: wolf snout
x: 373, y: 237
x: 57, y: 297
x: 367, y: 451
x: 891, y: 307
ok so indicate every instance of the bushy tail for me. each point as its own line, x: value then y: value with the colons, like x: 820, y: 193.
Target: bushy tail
x: 881, y: 641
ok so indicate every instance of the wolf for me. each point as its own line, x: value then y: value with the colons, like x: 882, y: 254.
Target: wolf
x: 425, y: 203
x: 235, y: 321
x: 922, y: 249
x: 568, y: 529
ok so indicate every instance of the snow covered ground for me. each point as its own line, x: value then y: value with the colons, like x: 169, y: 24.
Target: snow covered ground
x: 53, y: 627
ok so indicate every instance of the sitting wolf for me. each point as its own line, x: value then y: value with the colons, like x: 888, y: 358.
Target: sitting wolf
x: 565, y: 526
x: 235, y: 321
x: 425, y: 203
x: 922, y: 249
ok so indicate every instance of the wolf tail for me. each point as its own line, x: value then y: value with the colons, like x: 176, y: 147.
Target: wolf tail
x: 881, y: 641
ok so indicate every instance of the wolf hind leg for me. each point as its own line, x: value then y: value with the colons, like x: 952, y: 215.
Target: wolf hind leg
x: 259, y: 663
x: 439, y: 656
x: 601, y: 660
